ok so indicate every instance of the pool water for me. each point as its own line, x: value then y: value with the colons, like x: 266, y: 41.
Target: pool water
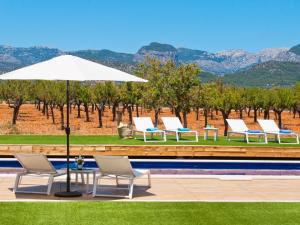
x: 181, y: 164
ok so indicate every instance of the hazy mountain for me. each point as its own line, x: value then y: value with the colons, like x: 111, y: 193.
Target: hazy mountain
x: 241, y: 64
x: 104, y: 55
x: 219, y: 63
x: 162, y: 52
x: 295, y: 49
x: 267, y: 74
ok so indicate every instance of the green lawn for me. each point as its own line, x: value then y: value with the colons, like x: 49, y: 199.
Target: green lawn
x: 159, y: 213
x: 115, y: 140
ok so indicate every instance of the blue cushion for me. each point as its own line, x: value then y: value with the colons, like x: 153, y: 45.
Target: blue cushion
x: 183, y: 129
x: 286, y: 131
x: 152, y: 129
x: 254, y: 131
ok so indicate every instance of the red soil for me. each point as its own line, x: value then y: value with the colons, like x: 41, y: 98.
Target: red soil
x: 32, y: 121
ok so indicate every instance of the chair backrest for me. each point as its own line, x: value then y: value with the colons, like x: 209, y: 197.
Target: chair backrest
x: 35, y: 163
x: 171, y: 123
x: 268, y: 125
x: 142, y: 123
x: 114, y: 165
x: 237, y: 125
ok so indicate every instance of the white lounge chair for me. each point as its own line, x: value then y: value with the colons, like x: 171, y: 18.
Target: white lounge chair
x: 144, y: 125
x: 117, y: 167
x: 36, y: 165
x: 173, y: 125
x: 238, y: 126
x: 270, y: 127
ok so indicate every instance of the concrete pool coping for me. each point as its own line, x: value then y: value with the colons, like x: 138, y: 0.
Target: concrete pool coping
x: 179, y: 189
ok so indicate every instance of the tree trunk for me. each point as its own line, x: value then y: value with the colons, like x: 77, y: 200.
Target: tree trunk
x: 266, y: 114
x: 52, y: 113
x: 78, y: 109
x: 225, y: 116
x: 241, y: 113
x: 184, y: 115
x: 93, y: 108
x: 47, y: 110
x: 39, y: 105
x: 129, y: 109
x: 137, y: 110
x: 249, y: 111
x: 62, y: 120
x: 99, y: 108
x: 177, y: 114
x: 86, y: 109
x: 156, y: 113
x: 255, y: 115
x: 205, y: 117
x: 44, y: 108
x: 197, y: 114
x: 114, y: 111
x: 16, y: 109
x: 279, y: 119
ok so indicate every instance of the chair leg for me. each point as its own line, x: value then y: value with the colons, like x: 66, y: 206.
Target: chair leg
x: 149, y: 179
x: 297, y: 139
x: 196, y: 133
x: 82, y: 178
x: 117, y: 181
x: 130, y: 188
x: 17, y: 181
x: 247, y: 138
x: 145, y: 137
x: 266, y: 138
x: 96, y: 179
x: 279, y: 139
x: 177, y: 136
x: 50, y: 182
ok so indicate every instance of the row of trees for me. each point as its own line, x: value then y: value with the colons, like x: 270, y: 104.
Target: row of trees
x: 175, y: 86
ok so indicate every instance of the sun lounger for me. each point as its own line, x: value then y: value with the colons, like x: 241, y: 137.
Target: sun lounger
x: 117, y: 167
x: 173, y: 125
x: 144, y: 125
x: 238, y: 126
x: 270, y: 127
x: 36, y: 165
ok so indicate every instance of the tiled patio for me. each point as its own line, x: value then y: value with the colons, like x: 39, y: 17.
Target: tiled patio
x: 178, y: 188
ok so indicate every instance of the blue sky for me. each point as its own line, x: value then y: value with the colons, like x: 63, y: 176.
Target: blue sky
x: 126, y: 25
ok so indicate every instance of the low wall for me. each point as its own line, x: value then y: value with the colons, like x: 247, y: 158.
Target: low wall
x: 156, y: 150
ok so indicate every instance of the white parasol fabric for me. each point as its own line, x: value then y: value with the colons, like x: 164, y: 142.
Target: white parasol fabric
x: 68, y: 67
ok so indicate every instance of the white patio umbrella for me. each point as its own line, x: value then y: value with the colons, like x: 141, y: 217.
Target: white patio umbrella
x: 68, y: 67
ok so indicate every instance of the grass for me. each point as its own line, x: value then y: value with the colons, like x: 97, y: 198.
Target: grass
x: 115, y: 140
x: 156, y: 213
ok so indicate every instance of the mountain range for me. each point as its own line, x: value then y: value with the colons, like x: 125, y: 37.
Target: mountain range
x: 235, y: 65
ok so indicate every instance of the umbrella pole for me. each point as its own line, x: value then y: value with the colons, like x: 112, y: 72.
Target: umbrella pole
x: 68, y: 192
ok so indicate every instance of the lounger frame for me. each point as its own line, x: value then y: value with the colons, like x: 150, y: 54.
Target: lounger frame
x: 238, y: 126
x: 117, y: 167
x: 141, y: 124
x: 50, y: 172
x: 172, y: 127
x: 269, y: 125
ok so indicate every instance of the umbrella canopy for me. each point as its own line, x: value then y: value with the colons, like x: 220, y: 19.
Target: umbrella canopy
x: 68, y: 67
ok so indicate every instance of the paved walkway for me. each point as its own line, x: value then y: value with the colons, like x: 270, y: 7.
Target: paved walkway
x: 178, y: 188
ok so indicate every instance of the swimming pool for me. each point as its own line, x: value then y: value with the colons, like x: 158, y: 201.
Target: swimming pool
x: 232, y: 167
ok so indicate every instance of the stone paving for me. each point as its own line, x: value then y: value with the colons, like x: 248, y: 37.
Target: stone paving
x: 175, y: 188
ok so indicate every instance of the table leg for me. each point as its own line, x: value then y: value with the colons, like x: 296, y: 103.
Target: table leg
x: 87, y: 183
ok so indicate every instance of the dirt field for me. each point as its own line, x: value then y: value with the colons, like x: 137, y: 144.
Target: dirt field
x: 32, y: 121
